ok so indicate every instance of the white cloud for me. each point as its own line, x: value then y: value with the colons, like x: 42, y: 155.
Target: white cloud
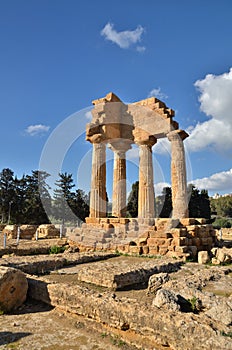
x: 160, y: 186
x: 216, y: 102
x: 217, y: 182
x: 123, y: 39
x: 37, y: 129
x: 157, y: 93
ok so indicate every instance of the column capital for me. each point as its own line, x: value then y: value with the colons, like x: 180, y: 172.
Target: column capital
x: 147, y: 142
x: 177, y: 134
x: 120, y: 145
x: 96, y: 139
x: 142, y: 137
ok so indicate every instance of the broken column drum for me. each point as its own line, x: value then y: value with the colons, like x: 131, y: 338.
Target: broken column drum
x: 120, y: 125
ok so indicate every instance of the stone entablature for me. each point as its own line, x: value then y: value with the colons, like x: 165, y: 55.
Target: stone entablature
x: 120, y: 125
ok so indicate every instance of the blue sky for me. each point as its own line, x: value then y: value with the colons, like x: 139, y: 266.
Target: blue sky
x: 57, y: 56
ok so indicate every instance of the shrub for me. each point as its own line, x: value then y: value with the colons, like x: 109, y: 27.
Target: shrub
x: 56, y: 249
x: 222, y: 222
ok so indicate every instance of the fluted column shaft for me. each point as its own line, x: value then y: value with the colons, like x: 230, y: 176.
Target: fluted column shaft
x: 98, y: 182
x: 119, y: 185
x: 146, y: 207
x: 178, y: 174
x: 119, y: 147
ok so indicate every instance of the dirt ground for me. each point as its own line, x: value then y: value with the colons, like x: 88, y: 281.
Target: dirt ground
x: 37, y: 326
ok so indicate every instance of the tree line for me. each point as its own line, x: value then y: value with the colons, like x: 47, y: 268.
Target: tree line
x: 221, y: 208
x: 199, y: 202
x: 27, y: 200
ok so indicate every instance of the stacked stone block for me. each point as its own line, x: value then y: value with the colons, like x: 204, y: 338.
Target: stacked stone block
x: 188, y: 237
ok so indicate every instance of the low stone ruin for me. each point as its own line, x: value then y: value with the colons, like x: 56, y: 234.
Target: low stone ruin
x: 13, y: 288
x: 29, y: 231
x: 174, y: 238
x: 48, y: 231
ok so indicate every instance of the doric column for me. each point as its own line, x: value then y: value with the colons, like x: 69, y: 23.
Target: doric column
x: 146, y: 205
x: 178, y: 174
x: 98, y: 181
x: 119, y: 148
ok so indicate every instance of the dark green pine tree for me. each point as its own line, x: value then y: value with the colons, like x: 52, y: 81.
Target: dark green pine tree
x: 19, y: 205
x: 199, y: 204
x: 164, y: 203
x: 7, y: 194
x: 63, y: 198
x: 132, y: 206
x: 80, y: 205
x: 37, y: 201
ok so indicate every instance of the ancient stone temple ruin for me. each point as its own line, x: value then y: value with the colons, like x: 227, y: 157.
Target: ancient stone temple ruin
x: 119, y: 126
x: 143, y: 123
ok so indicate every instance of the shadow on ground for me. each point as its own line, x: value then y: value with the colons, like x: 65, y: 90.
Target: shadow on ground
x: 32, y: 306
x: 10, y: 337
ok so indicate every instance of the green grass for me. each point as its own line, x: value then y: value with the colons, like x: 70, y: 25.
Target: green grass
x: 226, y: 334
x: 104, y: 335
x: 56, y: 249
x: 194, y: 304
x: 114, y: 339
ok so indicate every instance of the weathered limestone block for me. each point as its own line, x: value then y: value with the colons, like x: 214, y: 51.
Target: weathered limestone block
x: 27, y: 231
x: 160, y: 234
x: 180, y: 241
x: 154, y: 249
x: 166, y: 299
x: 156, y: 241
x: 156, y: 281
x: 142, y: 241
x: 224, y: 255
x: 178, y: 232
x: 135, y: 250
x: 90, y: 220
x: 193, y: 230
x: 10, y: 231
x: 153, y: 234
x: 203, y: 257
x: 145, y: 234
x: 48, y: 231
x: 221, y: 312
x: 187, y: 221
x: 163, y: 250
x: 182, y: 249
x: 13, y: 288
x: 162, y: 223
x: 145, y: 249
